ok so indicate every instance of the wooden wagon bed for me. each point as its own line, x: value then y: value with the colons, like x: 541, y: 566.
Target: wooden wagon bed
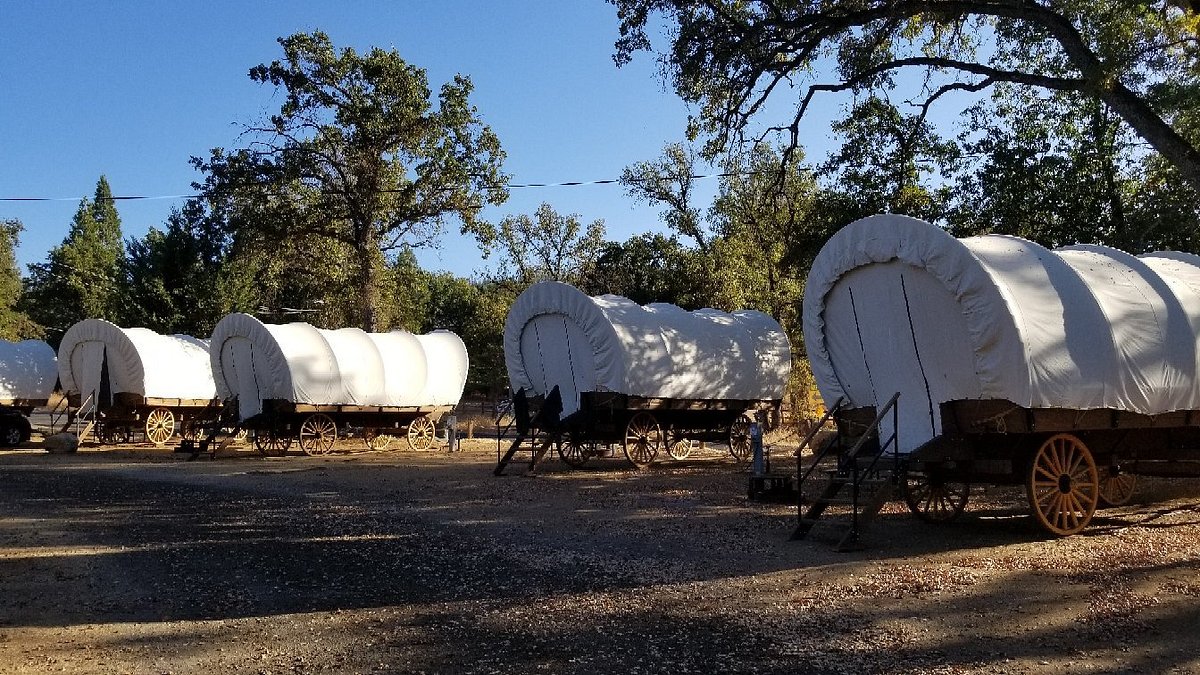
x: 1070, y: 461
x: 316, y: 426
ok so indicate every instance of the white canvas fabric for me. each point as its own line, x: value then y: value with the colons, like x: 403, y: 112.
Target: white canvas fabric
x: 300, y: 363
x: 894, y: 304
x: 28, y: 370
x: 555, y: 335
x: 139, y: 361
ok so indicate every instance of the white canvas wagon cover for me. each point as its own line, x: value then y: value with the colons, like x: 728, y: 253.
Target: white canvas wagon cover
x: 27, y: 371
x: 557, y: 335
x: 895, y: 304
x: 140, y: 361
x: 298, y: 362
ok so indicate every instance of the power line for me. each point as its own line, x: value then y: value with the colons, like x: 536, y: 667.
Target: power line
x: 511, y: 186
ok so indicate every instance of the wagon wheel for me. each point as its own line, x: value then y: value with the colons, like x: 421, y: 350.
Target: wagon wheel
x: 240, y: 435
x: 575, y: 451
x: 317, y: 434
x: 421, y: 433
x: 270, y: 443
x: 1116, y: 487
x: 739, y: 439
x: 102, y: 434
x: 932, y: 498
x: 1063, y: 485
x: 191, y: 431
x: 678, y: 445
x: 160, y: 426
x: 119, y: 435
x: 376, y: 440
x: 643, y: 437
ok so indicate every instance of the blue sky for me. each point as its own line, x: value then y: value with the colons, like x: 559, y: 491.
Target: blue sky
x: 132, y: 89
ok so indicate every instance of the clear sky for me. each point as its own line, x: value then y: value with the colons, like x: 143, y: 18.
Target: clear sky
x: 132, y: 89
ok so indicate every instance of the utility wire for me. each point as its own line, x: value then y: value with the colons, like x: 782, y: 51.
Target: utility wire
x: 513, y: 186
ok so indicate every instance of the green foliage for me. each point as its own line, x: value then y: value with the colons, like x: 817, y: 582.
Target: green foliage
x: 669, y: 181
x: 650, y: 268
x: 734, y: 59
x: 14, y: 324
x: 83, y: 277
x: 173, y: 282
x: 547, y: 247
x: 358, y: 163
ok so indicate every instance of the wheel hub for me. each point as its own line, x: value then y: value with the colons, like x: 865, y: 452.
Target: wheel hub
x: 1064, y: 483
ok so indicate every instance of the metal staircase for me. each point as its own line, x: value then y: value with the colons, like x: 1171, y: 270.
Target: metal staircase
x: 855, y: 478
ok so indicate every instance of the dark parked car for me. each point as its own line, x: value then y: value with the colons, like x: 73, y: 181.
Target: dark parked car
x: 14, y: 427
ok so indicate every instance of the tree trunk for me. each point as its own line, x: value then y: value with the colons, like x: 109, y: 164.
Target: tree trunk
x: 368, y: 278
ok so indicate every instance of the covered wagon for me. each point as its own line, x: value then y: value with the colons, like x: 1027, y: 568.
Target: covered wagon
x: 994, y: 360
x: 646, y: 377
x: 131, y: 380
x: 27, y: 377
x: 296, y: 381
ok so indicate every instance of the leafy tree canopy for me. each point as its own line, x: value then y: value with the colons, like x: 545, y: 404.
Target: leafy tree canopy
x: 358, y: 156
x: 735, y: 58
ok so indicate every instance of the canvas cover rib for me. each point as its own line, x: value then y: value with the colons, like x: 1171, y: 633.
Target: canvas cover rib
x: 556, y: 335
x: 998, y: 317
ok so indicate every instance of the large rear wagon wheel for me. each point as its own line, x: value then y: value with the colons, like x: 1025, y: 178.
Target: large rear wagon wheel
x: 1063, y: 485
x: 160, y: 426
x: 643, y: 438
x: 1116, y: 487
x: 934, y: 499
x: 421, y: 433
x: 272, y: 444
x: 317, y: 434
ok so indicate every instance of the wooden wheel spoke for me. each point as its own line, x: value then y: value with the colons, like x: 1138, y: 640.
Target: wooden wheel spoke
x: 1063, y: 462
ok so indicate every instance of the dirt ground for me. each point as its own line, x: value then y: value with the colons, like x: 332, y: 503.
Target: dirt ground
x: 134, y: 560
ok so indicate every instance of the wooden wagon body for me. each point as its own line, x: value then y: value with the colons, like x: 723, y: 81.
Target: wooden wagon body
x: 315, y: 427
x: 124, y: 416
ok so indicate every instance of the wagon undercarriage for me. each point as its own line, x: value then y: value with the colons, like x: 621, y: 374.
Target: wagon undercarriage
x: 1070, y: 462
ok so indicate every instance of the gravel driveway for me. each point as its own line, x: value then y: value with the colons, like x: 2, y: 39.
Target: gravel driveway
x: 137, y: 561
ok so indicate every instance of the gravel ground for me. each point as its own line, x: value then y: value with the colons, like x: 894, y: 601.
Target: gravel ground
x: 136, y: 561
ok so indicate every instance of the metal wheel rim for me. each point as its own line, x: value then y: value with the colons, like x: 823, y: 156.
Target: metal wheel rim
x: 376, y: 440
x: 160, y: 426
x: 1116, y: 489
x: 573, y: 452
x: 739, y: 439
x: 317, y: 434
x: 271, y: 444
x: 420, y: 433
x: 643, y: 437
x: 1063, y: 485
x: 932, y: 499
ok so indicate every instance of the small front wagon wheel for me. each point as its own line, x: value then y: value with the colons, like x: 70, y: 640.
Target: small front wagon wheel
x: 1063, y: 485
x: 317, y: 434
x: 160, y: 426
x: 643, y: 437
x: 1116, y: 487
x: 932, y: 498
x: 377, y: 440
x: 271, y: 443
x: 574, y: 451
x: 739, y: 439
x: 421, y: 433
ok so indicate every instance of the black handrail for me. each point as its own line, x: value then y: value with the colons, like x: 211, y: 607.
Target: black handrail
x: 820, y: 454
x: 856, y: 470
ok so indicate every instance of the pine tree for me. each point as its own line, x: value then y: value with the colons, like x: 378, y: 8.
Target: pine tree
x: 83, y: 276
